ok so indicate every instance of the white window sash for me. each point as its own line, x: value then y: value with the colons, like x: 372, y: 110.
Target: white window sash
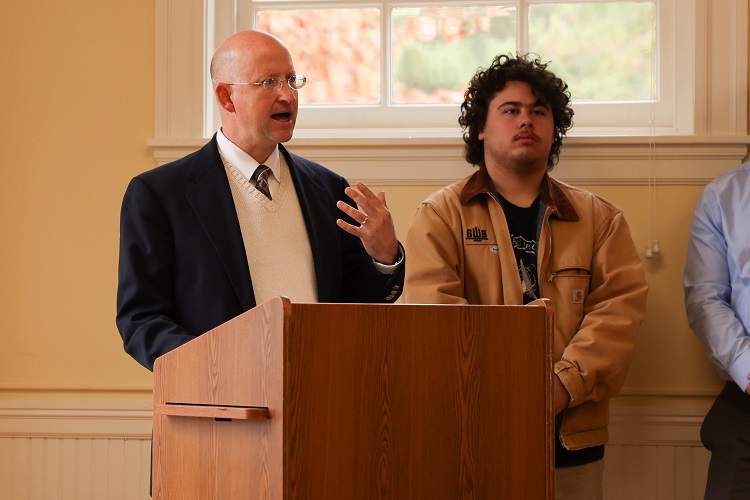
x: 709, y: 125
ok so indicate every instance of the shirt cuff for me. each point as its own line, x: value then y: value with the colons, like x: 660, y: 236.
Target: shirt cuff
x: 391, y: 268
x: 740, y: 369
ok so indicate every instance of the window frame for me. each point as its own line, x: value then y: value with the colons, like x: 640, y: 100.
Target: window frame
x: 657, y: 115
x: 713, y: 50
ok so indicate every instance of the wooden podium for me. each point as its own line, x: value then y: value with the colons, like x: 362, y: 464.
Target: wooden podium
x: 359, y: 401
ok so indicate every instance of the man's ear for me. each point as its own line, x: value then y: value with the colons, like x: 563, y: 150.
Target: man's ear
x: 224, y: 97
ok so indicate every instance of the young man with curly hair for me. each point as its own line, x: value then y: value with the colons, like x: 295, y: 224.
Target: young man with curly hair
x: 510, y: 233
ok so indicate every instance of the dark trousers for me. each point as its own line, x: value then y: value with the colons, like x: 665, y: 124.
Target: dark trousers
x: 726, y: 434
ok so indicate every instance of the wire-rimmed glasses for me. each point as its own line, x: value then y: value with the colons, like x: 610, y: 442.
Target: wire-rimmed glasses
x: 295, y: 82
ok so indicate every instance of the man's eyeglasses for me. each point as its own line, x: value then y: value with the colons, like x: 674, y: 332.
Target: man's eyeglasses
x: 295, y: 82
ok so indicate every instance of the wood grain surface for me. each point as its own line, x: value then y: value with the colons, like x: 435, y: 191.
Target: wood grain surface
x: 364, y: 402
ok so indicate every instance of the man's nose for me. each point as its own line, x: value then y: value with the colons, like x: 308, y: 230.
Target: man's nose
x: 525, y: 118
x: 286, y: 93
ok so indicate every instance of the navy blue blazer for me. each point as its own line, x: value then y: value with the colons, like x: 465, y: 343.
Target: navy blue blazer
x: 183, y: 268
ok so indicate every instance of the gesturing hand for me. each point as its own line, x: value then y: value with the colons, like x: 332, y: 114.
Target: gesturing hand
x: 375, y: 227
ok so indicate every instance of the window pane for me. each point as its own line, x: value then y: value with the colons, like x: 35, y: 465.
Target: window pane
x: 337, y: 49
x: 436, y: 50
x: 604, y: 51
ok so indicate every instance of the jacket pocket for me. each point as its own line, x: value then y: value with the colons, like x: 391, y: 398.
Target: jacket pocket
x: 574, y: 279
x: 567, y: 288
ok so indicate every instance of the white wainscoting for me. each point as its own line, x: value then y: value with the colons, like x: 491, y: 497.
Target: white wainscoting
x: 62, y: 450
x: 655, y: 453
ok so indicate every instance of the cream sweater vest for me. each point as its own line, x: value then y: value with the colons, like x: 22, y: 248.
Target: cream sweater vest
x: 276, y: 243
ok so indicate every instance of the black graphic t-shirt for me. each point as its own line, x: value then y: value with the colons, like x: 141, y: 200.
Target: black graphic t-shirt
x: 522, y: 223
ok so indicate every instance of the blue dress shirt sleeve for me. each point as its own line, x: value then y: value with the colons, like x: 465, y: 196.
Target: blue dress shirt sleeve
x: 717, y: 274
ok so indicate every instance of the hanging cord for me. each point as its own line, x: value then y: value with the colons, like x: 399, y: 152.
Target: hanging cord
x: 652, y: 248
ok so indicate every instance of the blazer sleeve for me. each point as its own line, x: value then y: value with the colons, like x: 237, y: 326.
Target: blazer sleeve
x: 145, y: 291
x: 344, y: 270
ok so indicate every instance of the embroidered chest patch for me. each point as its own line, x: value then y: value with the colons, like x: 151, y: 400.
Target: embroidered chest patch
x: 476, y: 234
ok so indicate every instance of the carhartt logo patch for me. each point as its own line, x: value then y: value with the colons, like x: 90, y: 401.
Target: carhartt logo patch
x: 476, y: 234
x: 578, y: 296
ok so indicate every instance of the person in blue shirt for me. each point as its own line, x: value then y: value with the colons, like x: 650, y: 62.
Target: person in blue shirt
x: 717, y: 300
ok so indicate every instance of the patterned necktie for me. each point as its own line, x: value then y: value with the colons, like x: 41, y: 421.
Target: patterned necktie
x: 260, y: 176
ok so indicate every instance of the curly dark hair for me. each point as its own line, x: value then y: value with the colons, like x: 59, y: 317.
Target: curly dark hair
x: 488, y: 82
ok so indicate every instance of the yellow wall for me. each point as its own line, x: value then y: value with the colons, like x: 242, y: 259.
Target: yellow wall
x: 76, y: 108
x: 76, y: 101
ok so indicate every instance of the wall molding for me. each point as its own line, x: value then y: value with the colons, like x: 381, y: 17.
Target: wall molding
x: 82, y: 392
x: 658, y: 421
x: 656, y: 426
x: 76, y: 419
x: 673, y: 160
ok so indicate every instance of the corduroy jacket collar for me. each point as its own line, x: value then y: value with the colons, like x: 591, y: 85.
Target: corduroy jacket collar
x: 552, y: 195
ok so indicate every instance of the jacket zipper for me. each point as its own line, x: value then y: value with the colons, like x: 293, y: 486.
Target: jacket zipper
x: 548, y: 247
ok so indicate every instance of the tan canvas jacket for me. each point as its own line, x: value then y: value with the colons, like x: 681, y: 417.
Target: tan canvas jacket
x: 460, y: 252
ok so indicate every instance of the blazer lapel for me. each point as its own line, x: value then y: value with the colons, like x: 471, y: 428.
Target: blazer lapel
x: 316, y: 205
x: 212, y: 202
